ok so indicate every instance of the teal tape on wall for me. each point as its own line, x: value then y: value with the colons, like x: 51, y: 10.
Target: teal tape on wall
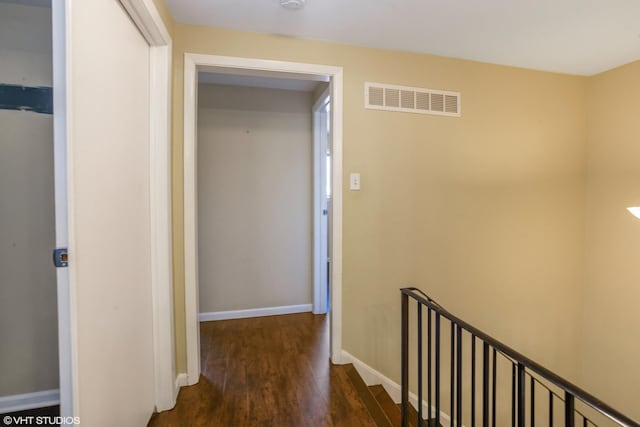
x: 23, y: 98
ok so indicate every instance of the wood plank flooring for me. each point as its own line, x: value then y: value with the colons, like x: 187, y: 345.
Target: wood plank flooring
x: 267, y: 371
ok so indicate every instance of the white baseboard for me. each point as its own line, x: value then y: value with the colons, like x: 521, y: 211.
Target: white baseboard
x: 254, y: 312
x: 181, y: 381
x: 22, y: 402
x: 372, y: 377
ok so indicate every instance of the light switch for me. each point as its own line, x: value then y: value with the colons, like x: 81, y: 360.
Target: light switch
x: 354, y: 181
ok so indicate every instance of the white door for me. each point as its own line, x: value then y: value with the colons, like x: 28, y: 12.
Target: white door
x: 322, y: 200
x: 109, y: 216
x: 327, y: 223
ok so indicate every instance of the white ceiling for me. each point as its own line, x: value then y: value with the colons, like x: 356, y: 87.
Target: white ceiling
x: 570, y: 36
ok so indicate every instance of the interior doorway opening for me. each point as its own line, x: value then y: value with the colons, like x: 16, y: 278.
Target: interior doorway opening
x: 262, y: 195
x: 31, y: 207
x: 243, y: 68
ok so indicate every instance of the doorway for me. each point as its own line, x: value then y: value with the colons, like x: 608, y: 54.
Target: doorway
x: 72, y: 37
x: 115, y: 118
x: 255, y: 195
x: 28, y: 307
x: 263, y: 69
x: 42, y: 179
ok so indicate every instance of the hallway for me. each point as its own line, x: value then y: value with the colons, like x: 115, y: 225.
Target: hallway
x: 267, y: 371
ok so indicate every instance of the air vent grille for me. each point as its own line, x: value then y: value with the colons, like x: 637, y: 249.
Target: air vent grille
x: 376, y: 96
x: 408, y: 99
x: 391, y: 97
x: 450, y: 104
x: 379, y: 96
x: 437, y: 102
x: 423, y: 101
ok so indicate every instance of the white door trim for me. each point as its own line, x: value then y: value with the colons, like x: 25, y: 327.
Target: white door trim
x: 146, y: 17
x: 193, y: 63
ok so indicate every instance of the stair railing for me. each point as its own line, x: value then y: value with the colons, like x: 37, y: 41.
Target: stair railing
x: 524, y: 401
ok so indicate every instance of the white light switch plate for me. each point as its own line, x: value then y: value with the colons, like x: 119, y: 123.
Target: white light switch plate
x: 354, y: 181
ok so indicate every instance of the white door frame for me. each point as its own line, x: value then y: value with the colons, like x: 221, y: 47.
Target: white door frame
x: 146, y: 17
x: 60, y: 29
x: 320, y: 220
x: 192, y: 64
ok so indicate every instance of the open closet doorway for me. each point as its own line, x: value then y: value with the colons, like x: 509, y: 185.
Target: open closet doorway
x: 325, y: 90
x: 32, y: 212
x: 41, y: 42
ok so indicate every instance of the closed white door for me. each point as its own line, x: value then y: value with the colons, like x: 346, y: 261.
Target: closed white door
x: 109, y: 235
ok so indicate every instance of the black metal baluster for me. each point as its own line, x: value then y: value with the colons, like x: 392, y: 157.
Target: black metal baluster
x: 550, y: 408
x: 533, y: 402
x: 521, y: 368
x: 419, y: 364
x: 437, y: 390
x: 429, y: 364
x: 485, y: 384
x: 569, y: 410
x: 405, y: 360
x: 495, y: 377
x: 521, y: 395
x: 453, y: 372
x: 513, y: 394
x: 459, y: 378
x: 473, y: 380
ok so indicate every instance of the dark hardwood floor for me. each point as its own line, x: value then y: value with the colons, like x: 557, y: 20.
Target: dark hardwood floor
x: 267, y: 371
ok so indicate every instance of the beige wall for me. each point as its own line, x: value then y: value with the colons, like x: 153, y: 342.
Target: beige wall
x: 485, y: 212
x: 612, y: 292
x: 254, y: 197
x: 28, y: 307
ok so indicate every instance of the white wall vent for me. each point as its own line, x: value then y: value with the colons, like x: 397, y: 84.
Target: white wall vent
x: 379, y: 96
